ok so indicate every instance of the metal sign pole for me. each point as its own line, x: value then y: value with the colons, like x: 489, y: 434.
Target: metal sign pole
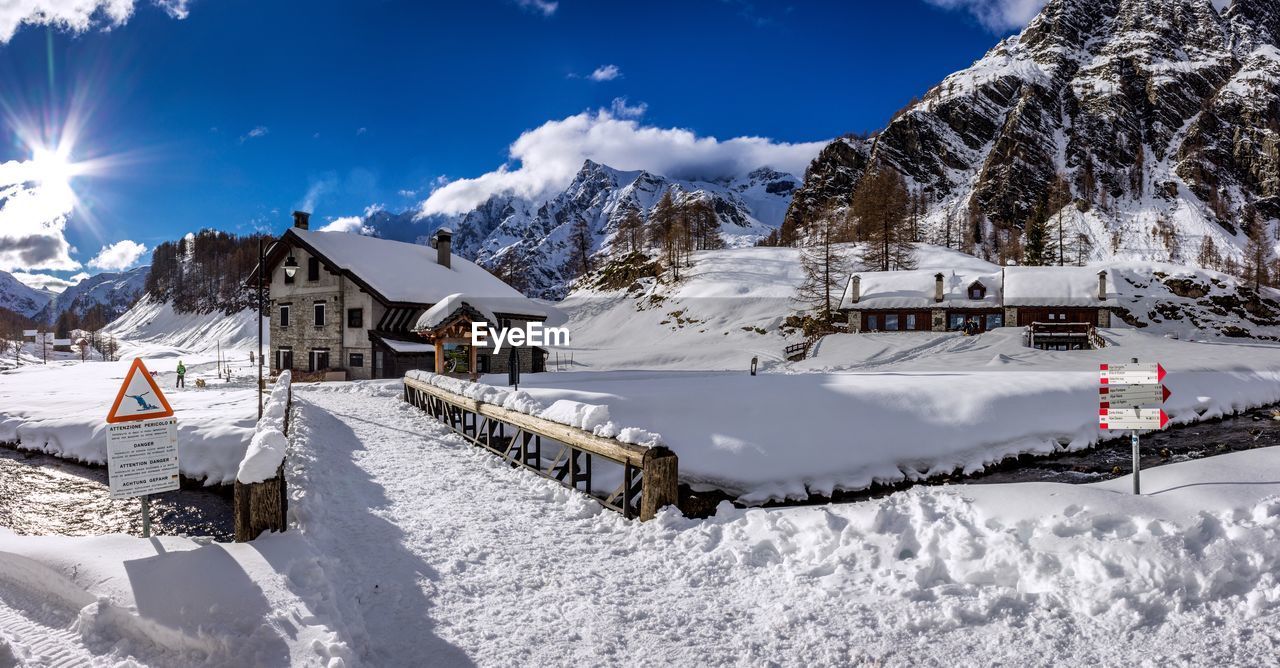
x: 146, y: 516
x: 1137, y: 486
x: 1137, y: 459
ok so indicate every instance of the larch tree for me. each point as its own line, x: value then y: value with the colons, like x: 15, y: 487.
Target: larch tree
x: 1209, y: 257
x: 663, y: 232
x: 631, y: 231
x: 580, y: 247
x: 825, y: 268
x: 1257, y: 256
x: 881, y: 206
x: 1059, y: 200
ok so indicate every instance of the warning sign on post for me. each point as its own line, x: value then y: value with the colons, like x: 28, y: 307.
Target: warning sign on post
x: 139, y: 397
x: 142, y: 457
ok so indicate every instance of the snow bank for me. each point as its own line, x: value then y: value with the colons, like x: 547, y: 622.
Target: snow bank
x: 267, y: 448
x: 588, y: 417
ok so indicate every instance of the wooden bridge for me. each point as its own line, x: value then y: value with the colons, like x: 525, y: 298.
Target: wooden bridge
x: 1064, y: 336
x: 649, y: 479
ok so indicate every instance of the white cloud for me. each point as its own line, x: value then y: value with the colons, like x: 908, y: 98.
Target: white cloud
x: 46, y: 281
x: 996, y: 15
x: 353, y: 224
x: 75, y: 15
x: 345, y: 224
x: 360, y: 131
x: 259, y: 131
x: 544, y: 160
x: 1005, y: 15
x: 79, y: 277
x: 33, y: 219
x: 544, y: 7
x: 118, y: 256
x: 605, y: 73
x: 621, y: 109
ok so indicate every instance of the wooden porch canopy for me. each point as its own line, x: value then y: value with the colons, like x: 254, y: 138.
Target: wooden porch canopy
x: 455, y: 329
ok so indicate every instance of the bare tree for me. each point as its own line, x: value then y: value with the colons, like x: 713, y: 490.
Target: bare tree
x: 880, y: 205
x: 825, y: 269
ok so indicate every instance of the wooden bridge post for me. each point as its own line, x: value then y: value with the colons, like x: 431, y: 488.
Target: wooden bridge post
x: 661, y: 482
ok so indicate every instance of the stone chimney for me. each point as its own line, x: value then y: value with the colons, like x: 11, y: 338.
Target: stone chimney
x: 1102, y: 285
x: 444, y: 246
x: 855, y: 289
x: 301, y: 220
x: 938, y: 290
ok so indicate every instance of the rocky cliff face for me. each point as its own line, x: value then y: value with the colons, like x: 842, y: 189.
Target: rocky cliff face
x: 507, y: 230
x: 1157, y: 112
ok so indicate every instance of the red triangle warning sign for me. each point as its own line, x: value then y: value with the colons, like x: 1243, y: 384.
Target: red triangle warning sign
x: 139, y: 397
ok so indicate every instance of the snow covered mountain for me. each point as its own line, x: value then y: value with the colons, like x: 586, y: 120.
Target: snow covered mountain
x: 116, y: 292
x: 21, y: 298
x: 507, y: 229
x: 1161, y: 115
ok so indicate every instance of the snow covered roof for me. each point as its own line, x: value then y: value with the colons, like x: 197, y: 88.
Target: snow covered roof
x: 404, y: 273
x: 436, y: 315
x: 917, y: 289
x: 1055, y: 286
x: 1019, y: 286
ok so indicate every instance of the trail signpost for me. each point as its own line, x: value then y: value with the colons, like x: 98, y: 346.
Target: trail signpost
x: 142, y: 442
x: 1131, y: 396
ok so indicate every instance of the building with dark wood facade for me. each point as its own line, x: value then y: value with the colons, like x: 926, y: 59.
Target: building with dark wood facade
x: 933, y: 301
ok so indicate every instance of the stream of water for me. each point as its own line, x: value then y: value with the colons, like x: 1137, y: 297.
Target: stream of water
x: 42, y: 495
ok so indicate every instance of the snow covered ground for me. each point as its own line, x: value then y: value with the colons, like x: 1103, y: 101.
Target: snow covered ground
x: 887, y: 407
x: 61, y: 409
x: 411, y: 547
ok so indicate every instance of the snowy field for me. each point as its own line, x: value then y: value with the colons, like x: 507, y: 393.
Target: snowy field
x: 407, y: 542
x: 61, y: 409
x: 892, y: 407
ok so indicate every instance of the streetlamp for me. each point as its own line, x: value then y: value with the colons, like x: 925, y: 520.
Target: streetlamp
x: 290, y: 268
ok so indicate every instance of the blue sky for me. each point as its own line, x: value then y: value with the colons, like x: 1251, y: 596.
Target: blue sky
x: 231, y: 113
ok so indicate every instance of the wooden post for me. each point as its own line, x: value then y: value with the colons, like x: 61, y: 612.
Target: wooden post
x: 439, y: 355
x: 661, y: 482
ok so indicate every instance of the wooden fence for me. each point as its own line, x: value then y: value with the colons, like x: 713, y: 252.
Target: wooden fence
x: 649, y: 475
x: 263, y: 506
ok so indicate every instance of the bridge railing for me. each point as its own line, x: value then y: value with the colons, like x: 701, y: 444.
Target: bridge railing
x: 649, y: 477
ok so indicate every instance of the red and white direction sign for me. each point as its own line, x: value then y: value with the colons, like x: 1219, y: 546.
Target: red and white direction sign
x: 1131, y: 374
x: 1129, y: 396
x: 1132, y: 418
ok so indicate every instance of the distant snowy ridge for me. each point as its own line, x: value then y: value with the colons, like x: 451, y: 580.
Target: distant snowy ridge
x: 20, y: 297
x: 534, y: 236
x: 115, y: 292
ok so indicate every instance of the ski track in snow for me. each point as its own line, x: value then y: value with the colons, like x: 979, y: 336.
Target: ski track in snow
x: 441, y: 555
x: 28, y: 642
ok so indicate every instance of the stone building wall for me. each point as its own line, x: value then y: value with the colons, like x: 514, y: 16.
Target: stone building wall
x: 302, y: 335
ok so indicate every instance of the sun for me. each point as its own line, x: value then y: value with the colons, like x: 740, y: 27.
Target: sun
x: 52, y: 168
